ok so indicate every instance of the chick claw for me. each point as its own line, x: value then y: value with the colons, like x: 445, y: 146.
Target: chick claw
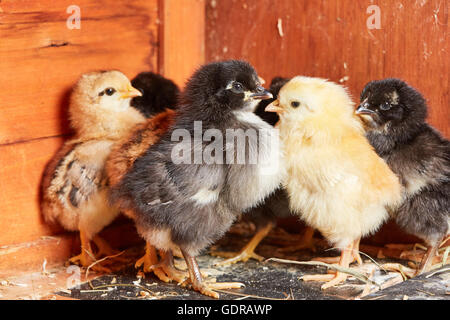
x: 149, y: 260
x: 331, y: 279
x: 166, y: 265
x: 87, y: 262
x: 242, y: 256
x: 248, y: 251
x: 207, y: 288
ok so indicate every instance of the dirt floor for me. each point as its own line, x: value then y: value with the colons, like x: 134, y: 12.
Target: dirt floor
x: 263, y: 280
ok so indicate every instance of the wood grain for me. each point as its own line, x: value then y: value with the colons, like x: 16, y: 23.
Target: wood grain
x: 330, y: 39
x: 21, y: 167
x: 40, y: 58
x: 182, y: 34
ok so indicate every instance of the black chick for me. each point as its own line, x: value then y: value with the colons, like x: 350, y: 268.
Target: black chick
x: 191, y: 204
x: 394, y: 114
x: 271, y: 117
x: 275, y: 206
x: 158, y: 93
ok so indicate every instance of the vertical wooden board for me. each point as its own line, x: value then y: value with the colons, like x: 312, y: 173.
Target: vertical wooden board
x: 331, y: 39
x: 182, y: 34
x: 21, y: 167
x: 40, y: 58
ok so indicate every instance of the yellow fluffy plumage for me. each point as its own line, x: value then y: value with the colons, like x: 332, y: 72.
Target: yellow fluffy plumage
x: 335, y: 180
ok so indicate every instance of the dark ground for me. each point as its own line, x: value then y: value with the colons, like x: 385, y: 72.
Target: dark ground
x: 265, y: 280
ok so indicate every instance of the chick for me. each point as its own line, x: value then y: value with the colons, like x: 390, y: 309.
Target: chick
x: 121, y: 159
x: 158, y: 93
x: 335, y: 180
x: 271, y: 117
x: 177, y: 194
x: 394, y: 115
x: 275, y: 206
x: 74, y: 187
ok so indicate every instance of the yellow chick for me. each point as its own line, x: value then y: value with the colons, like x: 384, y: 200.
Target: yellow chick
x: 74, y: 186
x: 336, y: 182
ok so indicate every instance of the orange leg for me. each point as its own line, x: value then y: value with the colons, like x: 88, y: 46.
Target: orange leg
x: 169, y: 269
x: 427, y: 260
x: 306, y: 242
x: 248, y: 251
x: 355, y: 254
x: 196, y: 280
x: 334, y: 279
x: 86, y: 258
x: 149, y: 260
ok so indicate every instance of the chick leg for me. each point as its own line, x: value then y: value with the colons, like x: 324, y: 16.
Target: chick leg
x: 306, y: 242
x: 249, y: 250
x: 86, y: 257
x: 104, y: 249
x: 338, y: 277
x: 355, y: 254
x: 195, y: 278
x: 427, y: 260
x: 149, y: 260
x: 168, y: 267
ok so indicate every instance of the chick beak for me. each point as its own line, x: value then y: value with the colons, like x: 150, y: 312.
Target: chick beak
x: 261, y: 94
x: 363, y: 110
x: 274, y: 107
x: 131, y: 93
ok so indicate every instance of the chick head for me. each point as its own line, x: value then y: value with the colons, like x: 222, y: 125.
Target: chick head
x: 304, y: 98
x: 100, y: 101
x: 228, y: 85
x: 158, y: 93
x: 391, y: 102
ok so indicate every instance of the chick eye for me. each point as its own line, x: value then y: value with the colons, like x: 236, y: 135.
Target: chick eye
x: 110, y: 91
x: 295, y: 104
x: 385, y: 106
x: 237, y: 86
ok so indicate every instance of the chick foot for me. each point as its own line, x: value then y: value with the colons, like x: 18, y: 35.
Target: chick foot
x: 87, y: 260
x: 337, y: 277
x: 149, y: 260
x: 248, y: 251
x: 196, y: 280
x: 306, y: 242
x: 330, y: 279
x: 169, y: 269
x: 427, y: 260
x: 105, y: 250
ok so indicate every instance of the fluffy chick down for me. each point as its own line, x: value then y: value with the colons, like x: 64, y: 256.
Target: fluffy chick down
x: 74, y: 185
x: 335, y: 180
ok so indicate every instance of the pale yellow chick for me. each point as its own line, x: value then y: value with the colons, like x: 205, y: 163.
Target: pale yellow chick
x: 335, y: 180
x: 74, y: 186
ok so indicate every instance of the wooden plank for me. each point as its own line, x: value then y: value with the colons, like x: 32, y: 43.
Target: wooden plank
x: 330, y: 39
x: 182, y: 34
x: 30, y: 256
x: 21, y: 167
x: 57, y: 249
x: 41, y: 58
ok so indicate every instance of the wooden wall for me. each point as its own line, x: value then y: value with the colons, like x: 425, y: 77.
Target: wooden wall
x: 40, y: 59
x: 330, y: 39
